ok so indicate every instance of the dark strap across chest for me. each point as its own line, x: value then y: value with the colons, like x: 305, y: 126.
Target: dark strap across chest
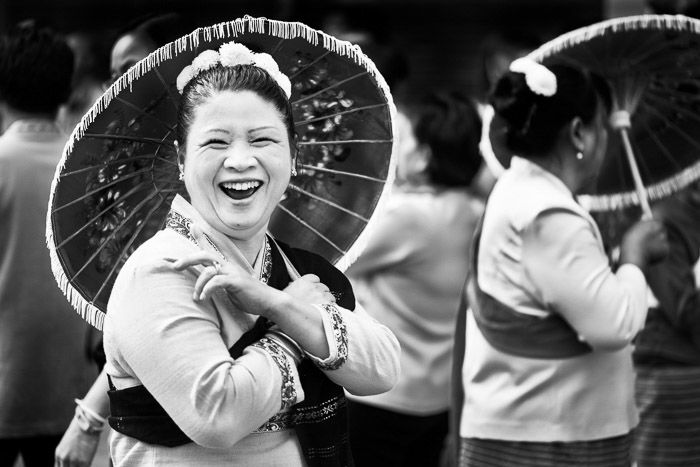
x: 320, y: 420
x: 515, y: 333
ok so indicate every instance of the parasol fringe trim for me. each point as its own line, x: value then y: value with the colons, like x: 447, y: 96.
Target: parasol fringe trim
x: 628, y: 23
x: 683, y: 23
x: 596, y: 203
x: 230, y: 29
x: 86, y: 310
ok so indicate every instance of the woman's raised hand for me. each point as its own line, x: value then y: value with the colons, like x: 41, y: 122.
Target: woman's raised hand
x: 645, y: 243
x: 310, y: 289
x: 246, y: 292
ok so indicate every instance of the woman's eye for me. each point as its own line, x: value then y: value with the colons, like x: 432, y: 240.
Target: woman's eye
x: 216, y: 143
x: 263, y: 141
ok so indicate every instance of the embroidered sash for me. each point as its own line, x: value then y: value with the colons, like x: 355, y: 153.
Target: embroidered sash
x: 320, y: 421
x: 517, y: 333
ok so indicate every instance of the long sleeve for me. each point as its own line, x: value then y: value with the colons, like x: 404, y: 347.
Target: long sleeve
x: 156, y: 333
x: 364, y: 354
x: 567, y: 266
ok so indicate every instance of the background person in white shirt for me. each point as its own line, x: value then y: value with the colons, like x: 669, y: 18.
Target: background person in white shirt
x: 410, y: 277
x: 43, y: 366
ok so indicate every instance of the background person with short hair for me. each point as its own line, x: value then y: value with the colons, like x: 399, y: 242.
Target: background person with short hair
x: 43, y: 366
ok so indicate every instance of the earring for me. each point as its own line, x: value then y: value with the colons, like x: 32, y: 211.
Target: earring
x: 181, y: 177
x: 294, y: 165
x: 579, y: 155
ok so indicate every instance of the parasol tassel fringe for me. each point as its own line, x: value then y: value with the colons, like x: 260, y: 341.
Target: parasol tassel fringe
x: 231, y: 29
x: 86, y: 310
x: 628, y: 23
x: 618, y: 201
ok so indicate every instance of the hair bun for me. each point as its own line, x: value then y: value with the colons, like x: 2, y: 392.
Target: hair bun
x: 513, y: 100
x: 533, y: 118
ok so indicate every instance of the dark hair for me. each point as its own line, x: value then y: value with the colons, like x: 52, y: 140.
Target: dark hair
x: 449, y: 125
x: 159, y: 28
x: 496, y: 50
x: 237, y: 78
x: 164, y: 28
x: 533, y: 121
x: 36, y: 69
x: 91, y: 54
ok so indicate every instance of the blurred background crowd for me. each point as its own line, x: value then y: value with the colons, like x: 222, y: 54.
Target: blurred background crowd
x: 422, y: 45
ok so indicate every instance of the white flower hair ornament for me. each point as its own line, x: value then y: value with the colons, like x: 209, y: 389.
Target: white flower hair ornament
x: 538, y: 77
x: 232, y: 54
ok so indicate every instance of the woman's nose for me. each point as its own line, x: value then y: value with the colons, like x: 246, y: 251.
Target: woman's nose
x: 239, y: 158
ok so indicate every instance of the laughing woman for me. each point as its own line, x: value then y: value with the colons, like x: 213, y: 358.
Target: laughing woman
x: 225, y: 347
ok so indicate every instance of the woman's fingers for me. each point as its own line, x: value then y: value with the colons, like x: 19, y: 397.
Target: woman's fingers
x: 205, y: 276
x: 215, y: 283
x: 311, y: 278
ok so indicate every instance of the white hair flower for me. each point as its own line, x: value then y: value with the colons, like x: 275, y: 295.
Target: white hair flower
x: 284, y: 83
x: 184, y: 77
x: 538, y: 77
x: 232, y: 53
x: 204, y: 61
x: 267, y: 63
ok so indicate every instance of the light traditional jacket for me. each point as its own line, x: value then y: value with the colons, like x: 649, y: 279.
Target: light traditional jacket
x: 157, y: 336
x: 541, y: 253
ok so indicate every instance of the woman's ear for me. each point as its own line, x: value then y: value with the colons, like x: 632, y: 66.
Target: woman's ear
x: 421, y: 159
x: 576, y: 134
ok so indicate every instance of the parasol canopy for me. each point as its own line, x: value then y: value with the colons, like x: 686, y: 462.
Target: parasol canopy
x: 113, y: 187
x: 653, y: 67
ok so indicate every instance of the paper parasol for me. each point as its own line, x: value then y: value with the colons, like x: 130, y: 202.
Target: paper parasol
x: 653, y: 67
x: 118, y: 174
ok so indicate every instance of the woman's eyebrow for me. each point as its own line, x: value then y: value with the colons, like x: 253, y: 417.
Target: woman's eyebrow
x: 263, y: 128
x: 217, y: 130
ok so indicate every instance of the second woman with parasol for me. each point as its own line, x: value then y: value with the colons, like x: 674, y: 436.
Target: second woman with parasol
x: 549, y: 380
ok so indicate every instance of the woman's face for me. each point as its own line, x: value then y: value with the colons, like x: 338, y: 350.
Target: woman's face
x: 128, y: 50
x: 237, y: 162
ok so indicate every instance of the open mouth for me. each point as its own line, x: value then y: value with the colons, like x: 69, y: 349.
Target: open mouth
x: 240, y: 190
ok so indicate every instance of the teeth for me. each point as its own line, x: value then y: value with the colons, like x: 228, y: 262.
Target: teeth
x: 241, y: 186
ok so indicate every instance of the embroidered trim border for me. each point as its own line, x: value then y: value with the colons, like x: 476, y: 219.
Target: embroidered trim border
x: 340, y: 333
x: 266, y: 269
x: 182, y: 224
x: 289, y: 392
x: 179, y: 224
x: 279, y: 422
x: 320, y: 412
x: 287, y: 420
